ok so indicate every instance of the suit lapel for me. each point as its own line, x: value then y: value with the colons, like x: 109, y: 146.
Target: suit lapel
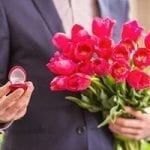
x: 48, y: 12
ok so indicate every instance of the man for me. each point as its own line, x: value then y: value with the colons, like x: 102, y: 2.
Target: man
x: 51, y: 122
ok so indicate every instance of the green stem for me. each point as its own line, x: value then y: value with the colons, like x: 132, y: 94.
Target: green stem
x: 123, y: 143
x: 132, y: 145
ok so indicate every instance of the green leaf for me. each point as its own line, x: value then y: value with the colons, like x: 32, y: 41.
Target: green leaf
x: 72, y: 98
x: 122, y: 88
x: 109, y: 83
x: 147, y: 91
x: 109, y: 103
x: 85, y: 98
x: 85, y: 103
x: 93, y: 90
x: 78, y: 101
x: 136, y: 94
x: 132, y: 102
x: 102, y: 95
x: 94, y: 109
x: 106, y: 121
x: 111, y: 116
x: 109, y: 80
x: 96, y: 81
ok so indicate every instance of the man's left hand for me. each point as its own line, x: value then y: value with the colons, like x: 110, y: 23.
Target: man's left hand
x: 138, y: 128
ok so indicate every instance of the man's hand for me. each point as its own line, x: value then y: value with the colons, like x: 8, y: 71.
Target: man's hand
x: 13, y: 105
x: 138, y: 128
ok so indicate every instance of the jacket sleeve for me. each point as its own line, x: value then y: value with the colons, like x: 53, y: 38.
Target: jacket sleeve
x: 4, y: 45
x: 4, y: 54
x: 5, y: 126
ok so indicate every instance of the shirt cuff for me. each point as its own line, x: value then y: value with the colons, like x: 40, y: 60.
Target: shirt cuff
x: 5, y: 126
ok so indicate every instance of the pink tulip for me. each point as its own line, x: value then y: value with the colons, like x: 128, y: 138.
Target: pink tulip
x: 102, y: 27
x: 78, y: 82
x: 138, y: 79
x: 131, y: 30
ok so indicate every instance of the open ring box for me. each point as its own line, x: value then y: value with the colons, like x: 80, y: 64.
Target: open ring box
x: 17, y: 76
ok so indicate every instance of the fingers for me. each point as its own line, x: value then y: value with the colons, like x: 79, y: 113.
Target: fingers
x: 137, y: 114
x: 20, y: 113
x: 27, y: 95
x: 129, y: 123
x: 4, y: 90
x: 123, y: 129
x: 137, y: 128
x: 131, y: 133
x: 14, y: 105
x: 19, y: 96
x: 13, y: 114
x: 8, y: 101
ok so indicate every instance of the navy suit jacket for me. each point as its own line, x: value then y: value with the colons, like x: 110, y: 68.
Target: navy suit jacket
x: 51, y: 123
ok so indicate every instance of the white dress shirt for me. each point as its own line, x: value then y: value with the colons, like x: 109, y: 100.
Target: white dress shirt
x: 76, y: 11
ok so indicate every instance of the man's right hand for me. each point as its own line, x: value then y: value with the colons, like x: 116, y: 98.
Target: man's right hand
x: 13, y: 106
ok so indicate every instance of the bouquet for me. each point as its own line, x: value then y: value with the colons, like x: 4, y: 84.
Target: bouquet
x: 108, y: 75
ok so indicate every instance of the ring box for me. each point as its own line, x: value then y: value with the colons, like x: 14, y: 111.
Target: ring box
x: 17, y: 77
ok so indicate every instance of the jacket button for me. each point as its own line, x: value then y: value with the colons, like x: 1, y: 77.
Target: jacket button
x: 81, y: 130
